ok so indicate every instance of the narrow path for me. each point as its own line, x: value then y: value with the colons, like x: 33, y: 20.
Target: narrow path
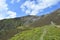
x: 43, y: 34
x: 58, y: 26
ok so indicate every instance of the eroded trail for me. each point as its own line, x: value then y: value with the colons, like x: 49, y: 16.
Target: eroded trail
x: 43, y: 34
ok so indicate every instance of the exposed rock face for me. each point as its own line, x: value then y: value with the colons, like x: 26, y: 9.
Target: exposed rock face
x: 46, y: 19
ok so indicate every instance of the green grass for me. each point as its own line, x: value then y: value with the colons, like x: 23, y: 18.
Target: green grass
x: 52, y: 33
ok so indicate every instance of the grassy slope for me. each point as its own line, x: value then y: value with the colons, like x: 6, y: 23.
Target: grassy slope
x: 40, y: 33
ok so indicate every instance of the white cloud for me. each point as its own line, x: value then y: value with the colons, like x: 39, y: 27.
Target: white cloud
x: 4, y: 12
x: 11, y: 14
x: 27, y: 11
x: 18, y: 1
x: 33, y: 8
x: 12, y: 1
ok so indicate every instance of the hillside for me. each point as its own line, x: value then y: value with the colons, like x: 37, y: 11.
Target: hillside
x: 49, y: 32
x: 47, y: 19
x: 10, y: 27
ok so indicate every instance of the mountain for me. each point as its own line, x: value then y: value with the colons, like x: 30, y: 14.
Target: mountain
x: 10, y: 27
x: 47, y: 19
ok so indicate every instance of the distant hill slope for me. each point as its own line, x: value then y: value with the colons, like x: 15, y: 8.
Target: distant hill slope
x: 47, y: 19
x: 49, y: 32
x: 8, y: 27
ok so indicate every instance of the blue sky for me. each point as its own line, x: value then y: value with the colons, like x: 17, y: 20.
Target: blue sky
x: 18, y: 8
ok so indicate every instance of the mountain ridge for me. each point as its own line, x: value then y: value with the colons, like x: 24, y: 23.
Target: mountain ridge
x: 9, y: 27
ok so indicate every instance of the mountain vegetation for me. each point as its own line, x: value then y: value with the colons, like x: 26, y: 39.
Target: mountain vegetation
x: 49, y: 32
x: 10, y: 27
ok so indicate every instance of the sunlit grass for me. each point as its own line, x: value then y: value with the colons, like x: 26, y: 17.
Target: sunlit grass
x: 53, y: 33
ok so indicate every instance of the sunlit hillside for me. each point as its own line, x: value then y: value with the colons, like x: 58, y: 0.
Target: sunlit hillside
x: 13, y: 26
x: 49, y: 32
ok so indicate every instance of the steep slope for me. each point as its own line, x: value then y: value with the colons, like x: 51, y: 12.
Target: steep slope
x: 47, y: 19
x: 10, y: 27
x: 49, y: 32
